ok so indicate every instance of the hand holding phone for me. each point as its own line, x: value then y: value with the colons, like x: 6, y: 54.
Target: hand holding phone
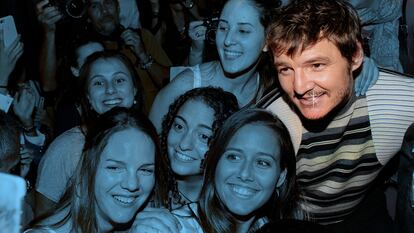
x: 8, y: 28
x: 10, y: 48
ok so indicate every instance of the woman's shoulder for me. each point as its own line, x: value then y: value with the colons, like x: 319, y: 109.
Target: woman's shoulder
x: 68, y: 143
x: 73, y: 135
x: 182, y: 82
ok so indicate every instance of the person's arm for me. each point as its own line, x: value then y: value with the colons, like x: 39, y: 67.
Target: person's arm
x: 43, y: 204
x: 166, y: 96
x: 159, y: 72
x: 197, y: 33
x: 48, y: 16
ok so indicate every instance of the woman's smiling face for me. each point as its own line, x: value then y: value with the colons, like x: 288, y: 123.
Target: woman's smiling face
x: 188, y: 137
x: 249, y: 172
x: 110, y: 85
x: 240, y: 36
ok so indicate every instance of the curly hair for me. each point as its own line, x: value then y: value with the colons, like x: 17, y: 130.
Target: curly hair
x: 222, y: 102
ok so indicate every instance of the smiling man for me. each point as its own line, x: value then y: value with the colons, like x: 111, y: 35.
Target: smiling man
x: 343, y: 141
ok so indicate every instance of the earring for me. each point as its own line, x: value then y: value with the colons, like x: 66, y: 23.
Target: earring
x: 135, y: 102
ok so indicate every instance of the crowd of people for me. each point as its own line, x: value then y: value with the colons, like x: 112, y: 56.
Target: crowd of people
x: 153, y: 116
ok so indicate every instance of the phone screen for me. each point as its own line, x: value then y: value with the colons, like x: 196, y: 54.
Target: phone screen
x: 8, y: 27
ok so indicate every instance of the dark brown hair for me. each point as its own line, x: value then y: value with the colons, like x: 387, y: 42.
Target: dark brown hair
x: 78, y: 203
x: 88, y: 114
x: 213, y: 214
x: 303, y: 23
x: 222, y: 102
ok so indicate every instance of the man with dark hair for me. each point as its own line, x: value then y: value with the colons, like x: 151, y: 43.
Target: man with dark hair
x: 342, y: 141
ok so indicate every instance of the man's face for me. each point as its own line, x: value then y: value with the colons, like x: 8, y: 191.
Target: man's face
x: 103, y: 15
x: 318, y: 79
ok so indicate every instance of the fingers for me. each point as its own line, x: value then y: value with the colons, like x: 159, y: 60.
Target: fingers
x: 41, y: 5
x: 159, y: 219
x: 15, y: 50
x: 26, y: 155
x: 197, y: 31
x: 46, y: 14
x: 130, y: 37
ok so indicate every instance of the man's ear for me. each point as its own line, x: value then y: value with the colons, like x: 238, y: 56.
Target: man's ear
x: 282, y: 178
x: 358, y: 57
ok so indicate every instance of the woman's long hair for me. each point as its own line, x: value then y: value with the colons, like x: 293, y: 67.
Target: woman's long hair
x: 78, y: 206
x: 223, y: 104
x: 214, y: 216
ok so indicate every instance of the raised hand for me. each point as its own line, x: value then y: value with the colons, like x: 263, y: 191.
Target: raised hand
x: 23, y: 105
x: 197, y: 33
x: 133, y: 40
x: 48, y: 15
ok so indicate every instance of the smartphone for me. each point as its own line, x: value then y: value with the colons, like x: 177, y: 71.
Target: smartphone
x: 12, y: 192
x: 9, y: 30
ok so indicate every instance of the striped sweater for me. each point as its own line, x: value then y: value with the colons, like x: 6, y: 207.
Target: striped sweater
x: 336, y: 167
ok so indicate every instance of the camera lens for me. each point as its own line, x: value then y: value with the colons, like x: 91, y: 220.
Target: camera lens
x: 212, y: 25
x: 75, y: 8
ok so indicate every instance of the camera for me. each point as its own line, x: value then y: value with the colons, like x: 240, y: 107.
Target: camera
x: 211, y: 24
x: 72, y: 8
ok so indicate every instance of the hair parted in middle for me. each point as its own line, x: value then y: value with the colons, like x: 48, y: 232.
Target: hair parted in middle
x: 78, y: 202
x: 213, y: 214
x: 88, y: 114
x: 223, y: 103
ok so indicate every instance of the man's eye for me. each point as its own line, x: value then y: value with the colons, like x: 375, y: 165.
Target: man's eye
x: 318, y: 66
x: 284, y: 70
